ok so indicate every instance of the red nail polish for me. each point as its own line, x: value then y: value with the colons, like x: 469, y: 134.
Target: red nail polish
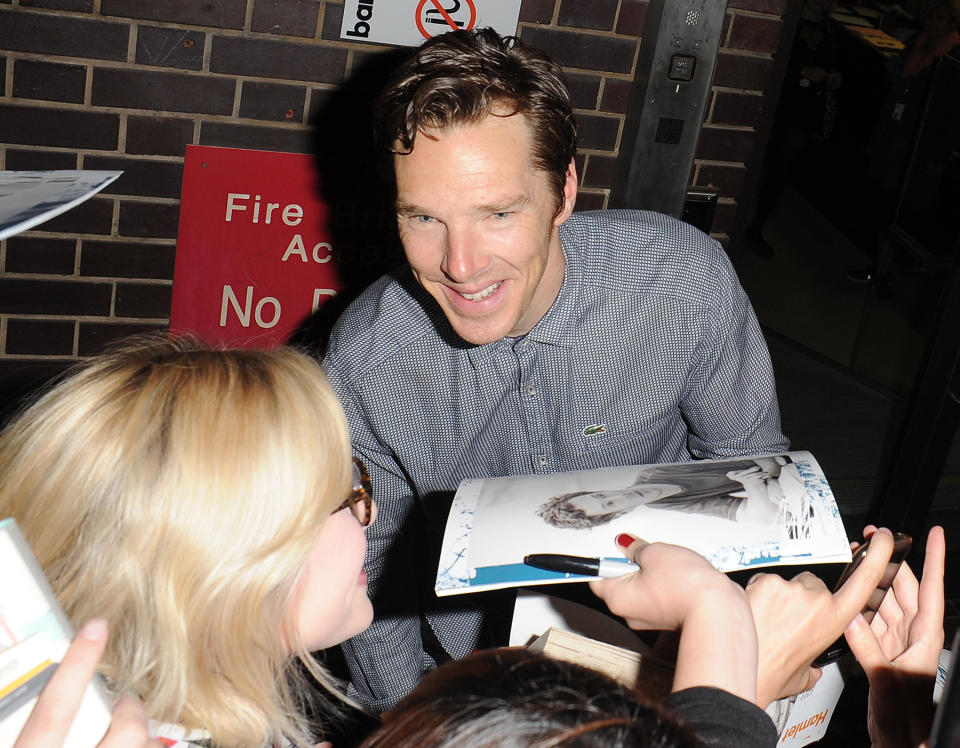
x: 624, y: 540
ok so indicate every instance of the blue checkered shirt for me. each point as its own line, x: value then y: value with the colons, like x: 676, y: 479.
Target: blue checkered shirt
x: 650, y: 353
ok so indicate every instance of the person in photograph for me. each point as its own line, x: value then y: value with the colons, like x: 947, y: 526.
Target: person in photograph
x: 740, y: 491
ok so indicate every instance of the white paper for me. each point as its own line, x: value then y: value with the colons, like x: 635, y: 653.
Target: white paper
x: 28, y: 198
x: 943, y: 669
x: 804, y: 718
x: 36, y: 634
x: 534, y: 613
x: 494, y: 523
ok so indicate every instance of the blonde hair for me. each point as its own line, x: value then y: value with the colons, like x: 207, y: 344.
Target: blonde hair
x: 176, y: 491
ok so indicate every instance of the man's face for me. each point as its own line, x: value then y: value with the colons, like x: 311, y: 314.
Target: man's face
x: 479, y: 226
x: 624, y: 499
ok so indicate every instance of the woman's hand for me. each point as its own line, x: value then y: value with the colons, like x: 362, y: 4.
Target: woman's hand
x: 797, y: 619
x: 899, y: 650
x: 50, y: 720
x: 678, y: 588
x: 670, y: 583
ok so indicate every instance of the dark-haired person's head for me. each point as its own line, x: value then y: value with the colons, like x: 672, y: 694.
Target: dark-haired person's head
x: 508, y: 698
x: 461, y: 77
x: 481, y: 138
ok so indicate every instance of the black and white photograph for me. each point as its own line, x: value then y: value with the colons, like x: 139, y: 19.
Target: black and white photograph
x: 738, y: 513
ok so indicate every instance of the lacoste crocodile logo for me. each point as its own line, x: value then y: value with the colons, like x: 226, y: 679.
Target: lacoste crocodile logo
x: 594, y: 429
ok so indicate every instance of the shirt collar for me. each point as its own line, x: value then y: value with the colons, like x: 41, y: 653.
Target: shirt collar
x: 555, y: 327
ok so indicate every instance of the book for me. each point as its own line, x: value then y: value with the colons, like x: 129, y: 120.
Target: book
x: 644, y: 672
x: 34, y: 635
x: 739, y: 513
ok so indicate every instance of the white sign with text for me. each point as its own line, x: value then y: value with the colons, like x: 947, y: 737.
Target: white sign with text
x: 411, y: 22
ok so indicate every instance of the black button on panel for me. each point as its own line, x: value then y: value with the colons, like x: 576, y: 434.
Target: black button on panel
x: 682, y: 67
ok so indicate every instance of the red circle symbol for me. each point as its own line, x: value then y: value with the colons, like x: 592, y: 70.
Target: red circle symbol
x: 444, y: 13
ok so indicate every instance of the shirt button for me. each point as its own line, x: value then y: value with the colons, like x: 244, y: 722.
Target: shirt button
x: 541, y: 460
x: 531, y: 389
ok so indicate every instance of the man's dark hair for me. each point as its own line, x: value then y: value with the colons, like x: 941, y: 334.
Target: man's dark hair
x: 461, y: 77
x: 507, y: 698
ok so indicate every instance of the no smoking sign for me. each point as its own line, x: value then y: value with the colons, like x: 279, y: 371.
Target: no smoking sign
x: 433, y: 18
x: 411, y: 22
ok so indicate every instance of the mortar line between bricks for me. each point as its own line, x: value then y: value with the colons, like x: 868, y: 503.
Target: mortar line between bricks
x: 36, y: 234
x: 132, y: 36
x: 59, y: 106
x: 8, y: 80
x: 95, y: 152
x: 318, y: 29
x: 85, y: 318
x: 142, y: 68
x: 207, y: 52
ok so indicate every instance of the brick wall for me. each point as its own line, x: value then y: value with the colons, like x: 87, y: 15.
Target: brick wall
x: 127, y: 84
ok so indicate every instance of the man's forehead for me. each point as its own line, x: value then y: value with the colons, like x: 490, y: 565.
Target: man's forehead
x: 484, y: 151
x: 458, y: 128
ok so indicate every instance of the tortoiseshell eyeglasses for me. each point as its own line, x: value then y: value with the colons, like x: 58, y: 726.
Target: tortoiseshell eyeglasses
x: 360, y: 500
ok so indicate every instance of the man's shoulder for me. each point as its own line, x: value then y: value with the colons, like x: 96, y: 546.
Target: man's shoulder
x: 387, y: 318
x: 643, y: 250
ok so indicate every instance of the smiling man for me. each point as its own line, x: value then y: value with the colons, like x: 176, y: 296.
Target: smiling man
x: 521, y: 337
x: 479, y: 226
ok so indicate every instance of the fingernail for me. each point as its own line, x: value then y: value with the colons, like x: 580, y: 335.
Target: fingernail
x: 857, y: 620
x: 95, y: 629
x: 625, y: 540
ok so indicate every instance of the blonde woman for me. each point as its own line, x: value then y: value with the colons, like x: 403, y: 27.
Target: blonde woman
x: 204, y: 504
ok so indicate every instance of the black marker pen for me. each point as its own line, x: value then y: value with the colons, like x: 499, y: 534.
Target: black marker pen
x: 592, y: 567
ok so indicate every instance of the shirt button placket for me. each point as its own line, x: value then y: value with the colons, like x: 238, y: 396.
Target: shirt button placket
x: 533, y: 409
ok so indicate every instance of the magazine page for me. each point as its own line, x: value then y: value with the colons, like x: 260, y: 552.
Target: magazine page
x: 28, y: 198
x: 738, y: 513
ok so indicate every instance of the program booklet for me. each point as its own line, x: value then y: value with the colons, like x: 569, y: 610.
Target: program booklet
x: 34, y: 635
x: 739, y: 513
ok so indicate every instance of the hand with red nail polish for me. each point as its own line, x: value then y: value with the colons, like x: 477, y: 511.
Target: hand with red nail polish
x: 677, y: 588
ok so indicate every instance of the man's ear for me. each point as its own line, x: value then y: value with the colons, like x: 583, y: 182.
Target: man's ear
x: 569, y: 194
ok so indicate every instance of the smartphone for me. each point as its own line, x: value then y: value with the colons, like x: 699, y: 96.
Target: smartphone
x: 901, y: 547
